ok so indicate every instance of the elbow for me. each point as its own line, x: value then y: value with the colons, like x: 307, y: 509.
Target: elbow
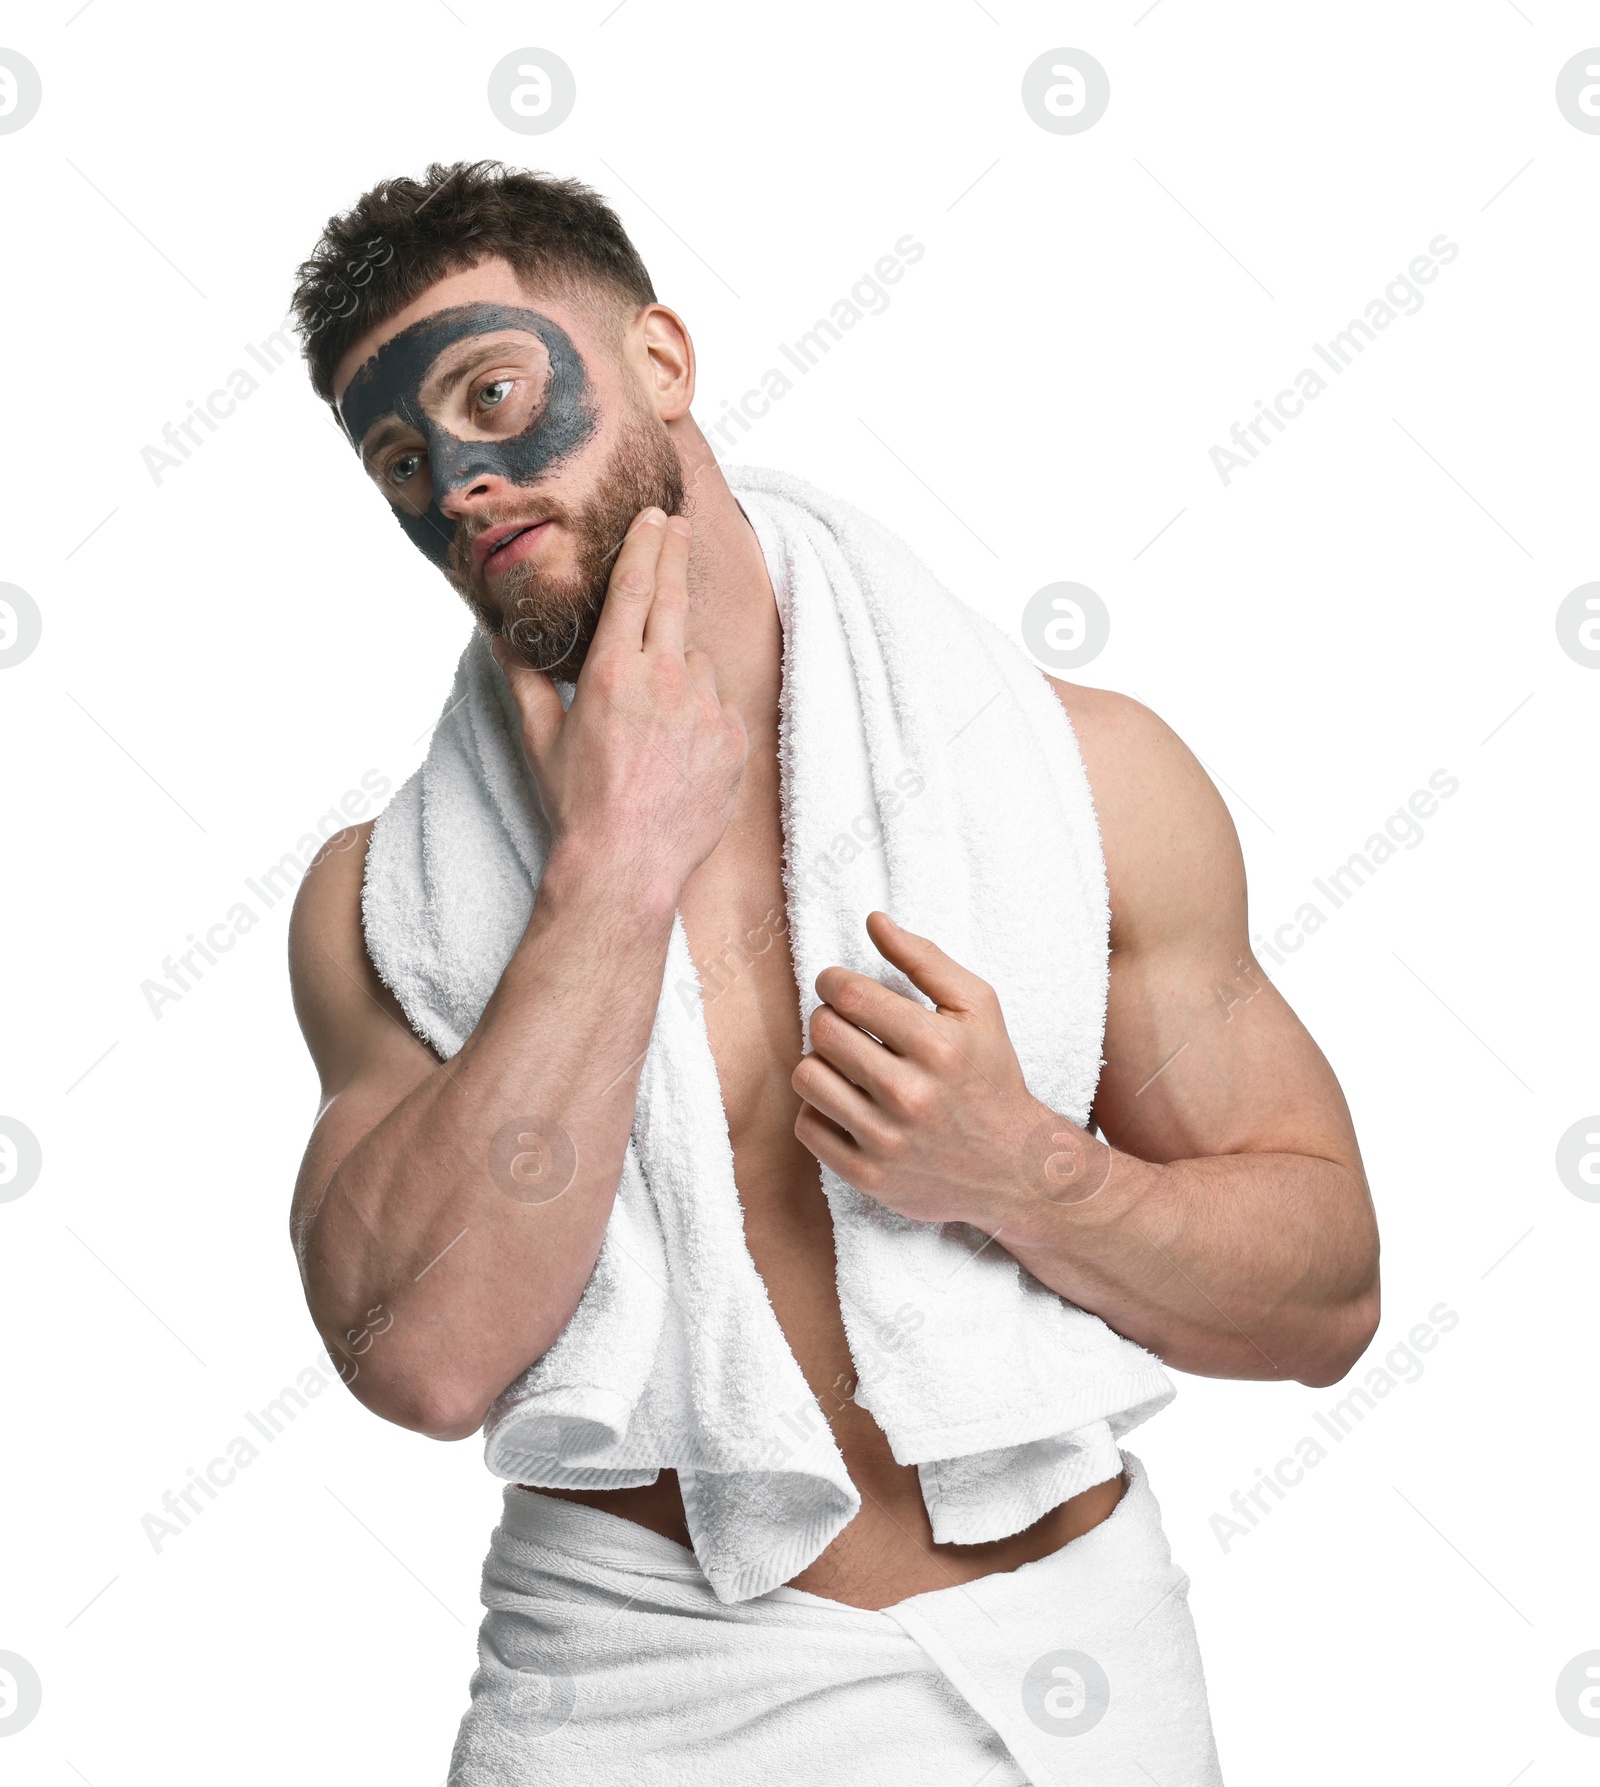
x: 440, y: 1427
x: 423, y: 1402
x: 443, y: 1416
x: 1340, y: 1338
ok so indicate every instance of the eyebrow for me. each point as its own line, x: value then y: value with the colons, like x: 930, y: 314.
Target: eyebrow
x: 379, y: 435
x: 436, y: 385
x: 441, y: 384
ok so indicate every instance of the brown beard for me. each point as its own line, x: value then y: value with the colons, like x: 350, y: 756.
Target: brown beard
x: 551, y: 621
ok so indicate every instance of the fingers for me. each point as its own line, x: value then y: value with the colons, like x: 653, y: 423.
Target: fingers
x: 879, y: 1072
x: 663, y: 627
x: 632, y: 586
x: 834, y: 1147
x: 538, y: 704
x: 950, y: 986
x: 909, y: 1029
x: 827, y: 1090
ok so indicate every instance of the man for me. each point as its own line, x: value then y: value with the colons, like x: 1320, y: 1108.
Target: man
x: 668, y: 1599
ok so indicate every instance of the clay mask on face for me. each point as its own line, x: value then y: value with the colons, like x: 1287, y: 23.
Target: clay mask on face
x: 390, y: 383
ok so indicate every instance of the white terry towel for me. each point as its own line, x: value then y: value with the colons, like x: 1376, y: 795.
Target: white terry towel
x: 929, y: 770
x: 606, y: 1658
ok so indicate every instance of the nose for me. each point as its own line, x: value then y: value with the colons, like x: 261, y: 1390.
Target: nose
x: 466, y: 475
x: 460, y: 499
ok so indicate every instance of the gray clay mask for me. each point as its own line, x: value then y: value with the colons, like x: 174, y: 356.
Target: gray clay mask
x: 390, y: 383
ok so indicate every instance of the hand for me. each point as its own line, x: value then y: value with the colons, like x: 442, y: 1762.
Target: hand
x: 639, y: 775
x: 927, y: 1111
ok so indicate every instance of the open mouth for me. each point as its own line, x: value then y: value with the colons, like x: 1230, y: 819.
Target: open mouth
x: 514, y: 546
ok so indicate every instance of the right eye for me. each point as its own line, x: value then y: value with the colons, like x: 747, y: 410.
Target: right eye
x: 403, y: 468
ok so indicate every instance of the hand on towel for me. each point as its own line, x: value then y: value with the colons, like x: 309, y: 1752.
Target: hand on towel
x: 927, y: 1111
x: 640, y: 773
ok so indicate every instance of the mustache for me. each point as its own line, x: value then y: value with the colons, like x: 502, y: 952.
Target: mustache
x: 511, y: 515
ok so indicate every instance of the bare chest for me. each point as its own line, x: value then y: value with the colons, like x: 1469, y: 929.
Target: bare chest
x: 735, y: 915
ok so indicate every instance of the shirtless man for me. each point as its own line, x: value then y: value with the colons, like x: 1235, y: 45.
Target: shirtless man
x: 1232, y: 1235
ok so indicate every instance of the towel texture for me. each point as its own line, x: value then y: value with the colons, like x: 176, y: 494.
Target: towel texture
x: 927, y: 769
x: 606, y: 1658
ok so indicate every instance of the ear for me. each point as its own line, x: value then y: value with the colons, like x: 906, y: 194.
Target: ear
x: 668, y: 360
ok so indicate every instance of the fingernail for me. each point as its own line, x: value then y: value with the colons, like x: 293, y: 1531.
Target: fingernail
x: 653, y: 518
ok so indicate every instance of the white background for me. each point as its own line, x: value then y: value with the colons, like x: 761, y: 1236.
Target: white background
x: 225, y: 652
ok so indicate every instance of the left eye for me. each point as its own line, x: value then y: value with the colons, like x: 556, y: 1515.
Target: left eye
x: 494, y: 394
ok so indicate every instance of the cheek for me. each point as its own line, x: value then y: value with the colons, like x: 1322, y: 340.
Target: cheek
x: 415, y: 506
x: 526, y: 458
x: 430, y: 532
x: 570, y: 420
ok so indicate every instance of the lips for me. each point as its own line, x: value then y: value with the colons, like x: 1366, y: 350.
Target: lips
x: 497, y: 546
x: 501, y: 545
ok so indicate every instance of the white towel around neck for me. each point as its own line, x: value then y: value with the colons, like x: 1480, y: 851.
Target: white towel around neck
x: 927, y: 770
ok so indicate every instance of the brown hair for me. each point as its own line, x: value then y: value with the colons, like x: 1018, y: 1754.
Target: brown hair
x: 403, y: 235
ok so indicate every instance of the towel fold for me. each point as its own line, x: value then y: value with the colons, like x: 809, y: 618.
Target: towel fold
x: 928, y: 770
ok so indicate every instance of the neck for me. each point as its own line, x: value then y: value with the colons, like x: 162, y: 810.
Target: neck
x: 733, y: 616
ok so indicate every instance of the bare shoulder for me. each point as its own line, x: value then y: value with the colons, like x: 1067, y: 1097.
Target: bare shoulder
x: 1172, y: 853
x: 347, y: 1015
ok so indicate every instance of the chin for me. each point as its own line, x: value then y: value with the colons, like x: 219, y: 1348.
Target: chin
x: 554, y: 632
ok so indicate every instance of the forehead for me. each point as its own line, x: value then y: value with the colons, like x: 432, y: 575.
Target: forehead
x: 390, y: 378
x: 494, y: 281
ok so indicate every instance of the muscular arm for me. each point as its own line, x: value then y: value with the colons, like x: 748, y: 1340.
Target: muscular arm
x: 405, y: 1217
x: 1234, y: 1234
x: 428, y: 1263
x: 1225, y: 1221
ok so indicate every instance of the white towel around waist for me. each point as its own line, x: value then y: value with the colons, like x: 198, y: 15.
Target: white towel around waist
x: 606, y: 1658
x: 927, y: 769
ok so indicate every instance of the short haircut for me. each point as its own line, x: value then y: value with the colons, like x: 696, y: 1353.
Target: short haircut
x: 402, y: 235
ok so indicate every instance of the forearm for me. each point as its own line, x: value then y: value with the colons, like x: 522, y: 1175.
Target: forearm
x: 1235, y: 1265
x: 472, y: 1237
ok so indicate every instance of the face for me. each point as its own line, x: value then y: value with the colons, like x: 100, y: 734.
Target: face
x: 513, y: 456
